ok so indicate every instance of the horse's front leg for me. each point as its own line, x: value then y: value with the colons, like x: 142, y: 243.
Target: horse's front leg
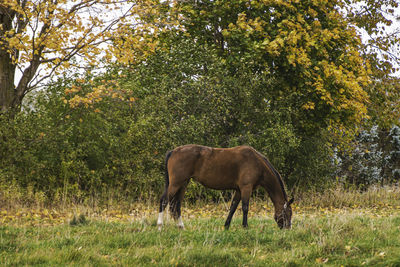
x: 234, y: 204
x: 245, y: 194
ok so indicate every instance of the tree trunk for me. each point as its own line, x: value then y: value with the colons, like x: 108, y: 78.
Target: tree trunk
x: 7, y: 68
x: 7, y: 88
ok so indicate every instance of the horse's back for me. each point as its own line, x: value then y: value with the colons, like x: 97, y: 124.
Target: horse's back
x: 224, y: 156
x: 218, y: 168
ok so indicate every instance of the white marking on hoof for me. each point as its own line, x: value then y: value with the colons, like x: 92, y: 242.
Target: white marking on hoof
x: 180, y: 223
x: 160, y: 220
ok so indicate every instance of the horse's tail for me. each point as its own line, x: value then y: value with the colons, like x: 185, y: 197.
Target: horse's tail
x: 163, y: 200
x: 169, y: 153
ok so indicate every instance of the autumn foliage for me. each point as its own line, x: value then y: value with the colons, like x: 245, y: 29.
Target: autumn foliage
x: 41, y: 39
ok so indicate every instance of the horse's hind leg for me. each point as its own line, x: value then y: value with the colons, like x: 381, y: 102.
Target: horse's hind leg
x: 163, y: 204
x: 167, y: 196
x: 180, y: 194
x: 176, y: 203
x: 234, y: 204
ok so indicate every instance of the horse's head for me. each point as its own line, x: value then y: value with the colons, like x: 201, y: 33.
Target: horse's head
x: 284, y: 217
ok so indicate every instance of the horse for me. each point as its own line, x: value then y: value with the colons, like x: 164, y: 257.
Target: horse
x: 240, y: 168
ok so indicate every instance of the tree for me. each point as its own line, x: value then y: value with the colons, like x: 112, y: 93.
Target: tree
x: 381, y: 44
x: 41, y: 38
x: 375, y: 20
x: 307, y: 46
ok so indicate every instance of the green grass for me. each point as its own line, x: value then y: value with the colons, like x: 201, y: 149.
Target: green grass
x: 349, y: 239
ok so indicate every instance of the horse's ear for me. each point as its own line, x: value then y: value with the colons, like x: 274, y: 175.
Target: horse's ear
x: 293, y: 193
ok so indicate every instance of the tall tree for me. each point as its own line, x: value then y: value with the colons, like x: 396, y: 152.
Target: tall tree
x: 307, y: 46
x: 41, y: 38
x: 376, y: 21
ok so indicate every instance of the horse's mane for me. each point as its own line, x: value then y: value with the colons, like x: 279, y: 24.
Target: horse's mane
x: 277, y: 174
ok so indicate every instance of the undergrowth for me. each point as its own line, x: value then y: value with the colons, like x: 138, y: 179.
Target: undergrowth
x: 13, y: 197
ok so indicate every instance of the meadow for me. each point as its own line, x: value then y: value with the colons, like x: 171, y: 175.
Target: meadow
x: 333, y: 229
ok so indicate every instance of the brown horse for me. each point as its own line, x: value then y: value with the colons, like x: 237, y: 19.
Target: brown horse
x: 240, y: 168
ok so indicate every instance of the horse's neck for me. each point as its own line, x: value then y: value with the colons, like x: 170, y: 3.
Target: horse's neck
x: 278, y: 201
x: 276, y: 192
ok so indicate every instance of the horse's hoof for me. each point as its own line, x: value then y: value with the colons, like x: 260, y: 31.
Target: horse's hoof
x: 180, y: 223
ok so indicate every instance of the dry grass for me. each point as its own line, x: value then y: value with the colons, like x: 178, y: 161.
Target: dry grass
x: 376, y: 201
x: 338, y: 197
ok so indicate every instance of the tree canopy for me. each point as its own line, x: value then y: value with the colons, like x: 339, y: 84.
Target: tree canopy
x: 307, y: 46
x: 40, y: 39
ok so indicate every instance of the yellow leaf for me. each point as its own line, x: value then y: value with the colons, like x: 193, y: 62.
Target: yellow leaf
x: 309, y: 105
x: 321, y: 260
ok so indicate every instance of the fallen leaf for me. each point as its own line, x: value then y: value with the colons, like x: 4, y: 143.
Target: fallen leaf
x: 321, y: 260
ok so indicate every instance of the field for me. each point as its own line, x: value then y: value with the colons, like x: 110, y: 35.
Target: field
x: 363, y: 233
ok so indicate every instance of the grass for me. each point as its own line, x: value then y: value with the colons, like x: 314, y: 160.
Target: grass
x: 333, y: 229
x: 349, y: 238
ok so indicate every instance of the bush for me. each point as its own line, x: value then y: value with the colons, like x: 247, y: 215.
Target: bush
x: 84, y: 140
x: 374, y: 158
